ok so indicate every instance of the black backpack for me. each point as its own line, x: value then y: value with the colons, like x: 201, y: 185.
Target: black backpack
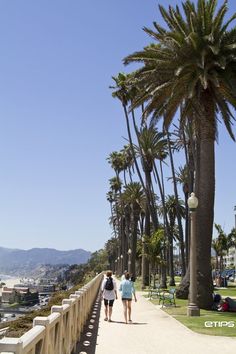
x: 109, y: 284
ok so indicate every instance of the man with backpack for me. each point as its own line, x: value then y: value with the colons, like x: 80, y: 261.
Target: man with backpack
x: 109, y: 293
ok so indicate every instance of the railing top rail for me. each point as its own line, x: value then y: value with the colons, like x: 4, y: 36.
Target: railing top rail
x: 32, y: 335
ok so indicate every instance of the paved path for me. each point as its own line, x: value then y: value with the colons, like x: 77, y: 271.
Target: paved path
x: 154, y: 332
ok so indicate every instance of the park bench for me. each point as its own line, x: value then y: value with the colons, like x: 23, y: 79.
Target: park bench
x: 167, y: 297
x: 154, y: 293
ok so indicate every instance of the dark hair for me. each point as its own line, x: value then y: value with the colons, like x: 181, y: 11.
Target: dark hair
x: 217, y: 298
x: 127, y: 276
x: 132, y: 278
x: 109, y: 273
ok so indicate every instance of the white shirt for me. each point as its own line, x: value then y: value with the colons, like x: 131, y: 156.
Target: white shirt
x: 108, y: 294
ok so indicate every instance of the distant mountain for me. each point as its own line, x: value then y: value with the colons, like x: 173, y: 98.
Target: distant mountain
x: 22, y: 261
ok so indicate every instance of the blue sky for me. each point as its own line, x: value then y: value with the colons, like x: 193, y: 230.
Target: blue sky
x: 58, y: 121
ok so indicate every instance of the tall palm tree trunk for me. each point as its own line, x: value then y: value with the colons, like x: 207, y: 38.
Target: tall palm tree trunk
x: 148, y: 178
x: 181, y: 234
x: 166, y: 222
x: 147, y: 230
x: 152, y: 210
x: 205, y: 191
x: 134, y: 246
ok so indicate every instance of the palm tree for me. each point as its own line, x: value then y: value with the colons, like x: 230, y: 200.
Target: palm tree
x: 182, y: 177
x: 155, y: 245
x: 220, y: 245
x: 172, y: 208
x: 117, y: 162
x: 134, y: 197
x: 117, y: 219
x: 192, y: 64
x: 178, y: 210
x: 152, y: 145
x: 128, y: 161
x: 125, y: 94
x: 232, y: 237
x: 111, y: 247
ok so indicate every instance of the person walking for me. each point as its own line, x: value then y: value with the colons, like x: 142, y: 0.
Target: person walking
x: 123, y: 275
x: 127, y: 290
x: 109, y: 294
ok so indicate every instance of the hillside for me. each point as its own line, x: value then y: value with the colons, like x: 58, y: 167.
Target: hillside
x: 16, y: 261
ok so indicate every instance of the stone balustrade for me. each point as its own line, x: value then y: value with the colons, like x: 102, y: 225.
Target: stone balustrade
x: 60, y: 332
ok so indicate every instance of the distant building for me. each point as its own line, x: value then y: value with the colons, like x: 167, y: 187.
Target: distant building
x: 19, y: 295
x: 11, y: 295
x: 230, y: 259
x: 43, y: 288
x: 46, y: 288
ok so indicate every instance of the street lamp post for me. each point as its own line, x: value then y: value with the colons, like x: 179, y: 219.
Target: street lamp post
x: 121, y: 264
x: 129, y: 260
x: 193, y: 309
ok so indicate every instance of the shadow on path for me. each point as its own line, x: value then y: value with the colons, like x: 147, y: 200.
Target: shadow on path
x: 88, y: 339
x: 129, y: 324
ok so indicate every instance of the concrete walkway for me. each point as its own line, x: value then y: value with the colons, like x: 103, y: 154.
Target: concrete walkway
x: 153, y: 332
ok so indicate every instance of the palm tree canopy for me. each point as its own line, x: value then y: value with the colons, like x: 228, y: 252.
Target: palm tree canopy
x: 134, y: 196
x: 117, y: 161
x: 128, y: 157
x: 171, y: 206
x: 221, y: 243
x: 192, y: 62
x: 115, y: 184
x: 152, y: 145
x: 232, y: 238
x: 182, y: 177
x: 122, y: 89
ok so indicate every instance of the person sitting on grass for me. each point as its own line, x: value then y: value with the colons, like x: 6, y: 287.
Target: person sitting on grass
x: 224, y: 306
x: 232, y: 304
x: 216, y: 302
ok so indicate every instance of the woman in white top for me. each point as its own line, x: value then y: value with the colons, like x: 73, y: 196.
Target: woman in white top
x: 109, y: 294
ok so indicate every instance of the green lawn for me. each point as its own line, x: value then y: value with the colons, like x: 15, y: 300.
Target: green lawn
x: 197, y: 324
x: 229, y: 291
x: 138, y: 283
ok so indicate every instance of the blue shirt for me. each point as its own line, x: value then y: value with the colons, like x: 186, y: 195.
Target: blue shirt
x: 127, y: 289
